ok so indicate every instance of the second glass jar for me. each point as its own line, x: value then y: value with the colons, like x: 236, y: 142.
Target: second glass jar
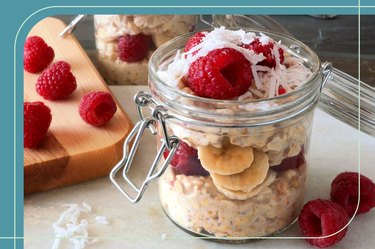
x: 126, y: 42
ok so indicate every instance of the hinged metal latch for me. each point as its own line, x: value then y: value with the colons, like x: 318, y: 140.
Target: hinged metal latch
x: 327, y: 70
x: 171, y: 143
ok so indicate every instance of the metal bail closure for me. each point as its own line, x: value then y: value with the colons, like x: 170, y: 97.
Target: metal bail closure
x: 326, y: 72
x: 168, y: 142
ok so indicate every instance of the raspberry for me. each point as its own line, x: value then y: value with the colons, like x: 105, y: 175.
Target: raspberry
x: 321, y: 218
x: 36, y: 121
x: 291, y: 162
x: 194, y: 41
x: 37, y: 55
x: 133, y: 48
x: 185, y: 161
x: 97, y: 108
x: 266, y: 49
x: 56, y: 82
x: 221, y: 74
x: 281, y: 90
x: 344, y: 191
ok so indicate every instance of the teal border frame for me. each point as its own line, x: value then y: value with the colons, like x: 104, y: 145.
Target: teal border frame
x: 16, y: 197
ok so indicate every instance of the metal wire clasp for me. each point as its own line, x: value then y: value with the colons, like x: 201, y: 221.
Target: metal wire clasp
x: 327, y: 70
x: 171, y: 143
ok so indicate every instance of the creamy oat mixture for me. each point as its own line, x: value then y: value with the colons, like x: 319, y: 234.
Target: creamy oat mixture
x: 195, y: 203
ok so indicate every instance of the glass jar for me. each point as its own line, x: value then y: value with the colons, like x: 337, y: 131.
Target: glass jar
x: 127, y: 65
x: 254, y: 152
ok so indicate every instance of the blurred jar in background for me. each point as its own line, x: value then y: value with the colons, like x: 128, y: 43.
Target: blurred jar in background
x: 126, y: 42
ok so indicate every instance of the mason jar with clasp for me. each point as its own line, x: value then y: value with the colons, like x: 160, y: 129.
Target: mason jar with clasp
x: 228, y: 169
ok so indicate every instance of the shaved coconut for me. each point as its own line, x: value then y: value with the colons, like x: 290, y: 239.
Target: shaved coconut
x: 101, y: 220
x: 264, y: 40
x: 246, y: 95
x: 276, y: 55
x: 68, y: 226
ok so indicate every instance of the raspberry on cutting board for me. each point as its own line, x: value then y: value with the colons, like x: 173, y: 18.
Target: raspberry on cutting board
x: 344, y: 191
x: 37, y: 55
x: 36, y: 121
x: 97, y: 108
x: 56, y: 82
x: 185, y: 161
x: 133, y: 48
x: 320, y: 218
x: 221, y: 74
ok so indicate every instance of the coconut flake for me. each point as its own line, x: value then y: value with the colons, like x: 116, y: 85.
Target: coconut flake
x: 276, y: 55
x: 264, y: 40
x: 101, y: 220
x: 68, y: 226
x: 246, y: 95
x: 256, y: 77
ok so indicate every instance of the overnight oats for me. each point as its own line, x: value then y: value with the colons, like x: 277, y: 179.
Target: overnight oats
x: 126, y: 42
x: 235, y: 173
x: 232, y: 111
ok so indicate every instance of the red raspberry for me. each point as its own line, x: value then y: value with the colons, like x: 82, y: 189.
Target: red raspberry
x: 185, y: 161
x: 194, y: 41
x: 291, y: 162
x: 321, y: 218
x: 36, y: 121
x: 221, y: 74
x: 267, y: 49
x: 133, y: 48
x: 37, y: 55
x: 97, y: 108
x: 281, y: 90
x: 344, y: 191
x: 56, y: 82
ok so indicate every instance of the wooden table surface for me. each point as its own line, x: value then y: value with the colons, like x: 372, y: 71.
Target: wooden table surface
x: 334, y: 40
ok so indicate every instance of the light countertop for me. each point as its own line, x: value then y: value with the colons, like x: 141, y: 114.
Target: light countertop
x: 334, y: 148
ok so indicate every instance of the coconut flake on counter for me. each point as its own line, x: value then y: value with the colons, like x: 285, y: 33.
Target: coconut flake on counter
x: 101, y: 220
x: 68, y: 226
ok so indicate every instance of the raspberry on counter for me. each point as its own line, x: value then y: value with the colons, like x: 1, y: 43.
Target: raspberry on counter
x: 97, y: 108
x: 344, y: 191
x: 320, y: 218
x: 37, y: 55
x: 37, y: 119
x: 56, y: 82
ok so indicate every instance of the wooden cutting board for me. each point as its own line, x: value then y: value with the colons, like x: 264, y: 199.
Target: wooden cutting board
x: 73, y: 151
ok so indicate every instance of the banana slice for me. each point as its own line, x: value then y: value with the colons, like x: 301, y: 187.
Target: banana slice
x: 241, y: 195
x: 249, y: 178
x: 228, y: 160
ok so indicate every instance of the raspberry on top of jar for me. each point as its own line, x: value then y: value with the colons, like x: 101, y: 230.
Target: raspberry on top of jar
x: 235, y: 65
